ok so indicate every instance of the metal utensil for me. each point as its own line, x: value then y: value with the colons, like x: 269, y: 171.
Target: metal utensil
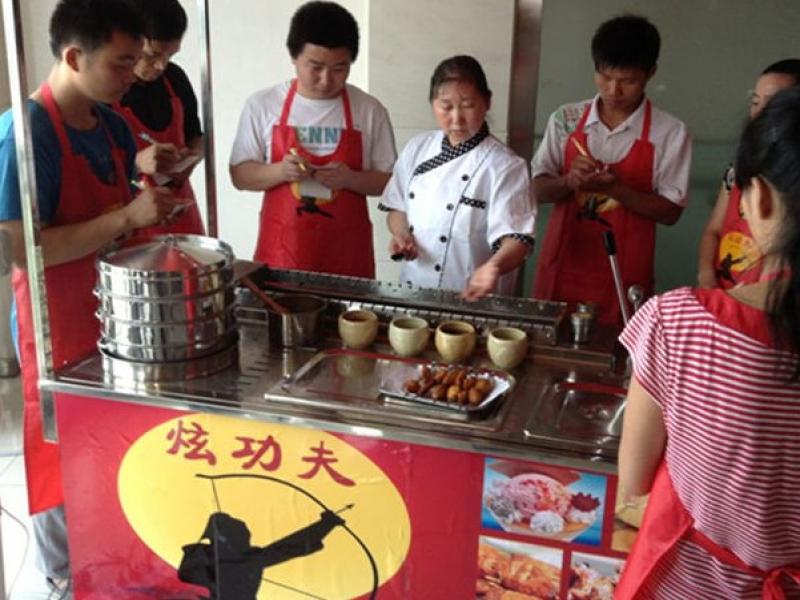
x: 266, y: 299
x: 611, y: 250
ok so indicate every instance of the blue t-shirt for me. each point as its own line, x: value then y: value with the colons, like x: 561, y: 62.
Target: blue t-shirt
x: 94, y: 145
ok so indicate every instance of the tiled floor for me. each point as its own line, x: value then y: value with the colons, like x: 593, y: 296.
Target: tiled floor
x: 18, y: 561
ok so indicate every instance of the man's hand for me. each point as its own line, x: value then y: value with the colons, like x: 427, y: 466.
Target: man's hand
x: 602, y: 182
x: 581, y: 170
x: 336, y: 176
x: 482, y: 282
x: 158, y: 158
x: 295, y: 168
x: 404, y: 244
x: 153, y: 205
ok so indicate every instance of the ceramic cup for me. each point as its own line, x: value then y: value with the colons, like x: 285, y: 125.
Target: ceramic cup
x: 455, y: 340
x: 358, y: 328
x: 408, y: 336
x: 507, y: 346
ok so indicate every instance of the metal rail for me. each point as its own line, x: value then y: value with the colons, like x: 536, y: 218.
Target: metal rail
x: 208, y: 118
x: 17, y: 77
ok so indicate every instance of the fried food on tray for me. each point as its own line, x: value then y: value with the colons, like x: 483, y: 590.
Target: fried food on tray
x: 455, y: 385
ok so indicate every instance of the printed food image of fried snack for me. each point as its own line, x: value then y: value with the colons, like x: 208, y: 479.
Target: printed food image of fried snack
x: 512, y: 576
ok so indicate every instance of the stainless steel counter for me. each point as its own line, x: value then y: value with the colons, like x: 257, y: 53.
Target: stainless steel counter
x: 565, y: 407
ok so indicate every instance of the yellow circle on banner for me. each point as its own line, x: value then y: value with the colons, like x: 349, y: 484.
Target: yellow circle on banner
x: 739, y: 250
x: 168, y: 505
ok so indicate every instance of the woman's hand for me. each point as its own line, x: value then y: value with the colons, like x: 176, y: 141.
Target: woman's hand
x: 403, y: 243
x: 483, y: 281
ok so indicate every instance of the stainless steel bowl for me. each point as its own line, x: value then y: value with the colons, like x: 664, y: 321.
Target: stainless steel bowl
x: 302, y: 325
x: 157, y: 310
x: 165, y: 353
x: 205, y: 332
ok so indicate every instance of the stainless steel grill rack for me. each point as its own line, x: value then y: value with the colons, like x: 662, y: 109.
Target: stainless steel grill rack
x: 540, y: 319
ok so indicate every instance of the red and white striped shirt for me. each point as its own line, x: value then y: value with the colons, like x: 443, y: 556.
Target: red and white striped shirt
x: 733, y: 437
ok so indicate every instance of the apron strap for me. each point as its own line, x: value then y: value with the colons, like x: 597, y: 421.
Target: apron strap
x: 51, y: 107
x: 771, y: 589
x: 168, y: 85
x: 287, y: 103
x: 584, y: 117
x: 648, y: 113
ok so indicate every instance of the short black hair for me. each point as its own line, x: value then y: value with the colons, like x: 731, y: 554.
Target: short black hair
x: 787, y: 66
x: 323, y: 24
x: 460, y: 68
x: 91, y: 23
x: 625, y: 42
x: 164, y: 20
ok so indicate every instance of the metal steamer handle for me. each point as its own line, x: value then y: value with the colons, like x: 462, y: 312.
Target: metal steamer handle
x: 611, y: 249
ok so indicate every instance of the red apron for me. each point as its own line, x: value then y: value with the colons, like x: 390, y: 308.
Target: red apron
x: 667, y: 522
x: 312, y: 234
x: 573, y: 265
x: 189, y: 221
x: 74, y: 329
x: 738, y: 259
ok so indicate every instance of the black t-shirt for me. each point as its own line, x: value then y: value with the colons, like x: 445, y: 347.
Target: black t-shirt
x: 149, y: 101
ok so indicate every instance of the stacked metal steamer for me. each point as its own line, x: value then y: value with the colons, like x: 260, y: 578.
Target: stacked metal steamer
x: 166, y: 308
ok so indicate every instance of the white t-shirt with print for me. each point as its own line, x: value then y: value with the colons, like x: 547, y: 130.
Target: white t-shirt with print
x: 319, y: 124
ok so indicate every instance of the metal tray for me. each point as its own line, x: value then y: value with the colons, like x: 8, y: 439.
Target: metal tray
x: 392, y: 387
x: 350, y: 381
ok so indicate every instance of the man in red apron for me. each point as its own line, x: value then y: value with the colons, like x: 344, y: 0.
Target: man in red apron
x: 613, y: 163
x: 316, y: 147
x: 161, y: 110
x: 84, y: 159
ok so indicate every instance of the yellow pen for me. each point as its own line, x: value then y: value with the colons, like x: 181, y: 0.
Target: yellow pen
x: 293, y: 152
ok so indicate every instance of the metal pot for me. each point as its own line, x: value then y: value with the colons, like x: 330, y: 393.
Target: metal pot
x: 301, y: 325
x: 175, y: 310
x: 205, y: 332
x: 166, y: 298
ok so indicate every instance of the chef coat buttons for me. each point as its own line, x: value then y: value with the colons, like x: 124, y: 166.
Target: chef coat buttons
x: 464, y: 177
x: 410, y: 229
x: 443, y: 239
x: 411, y: 195
x: 437, y: 268
x: 449, y: 207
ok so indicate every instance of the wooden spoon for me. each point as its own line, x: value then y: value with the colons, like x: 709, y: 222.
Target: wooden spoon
x: 271, y: 304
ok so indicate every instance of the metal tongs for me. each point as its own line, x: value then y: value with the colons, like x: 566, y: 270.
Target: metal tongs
x: 611, y: 249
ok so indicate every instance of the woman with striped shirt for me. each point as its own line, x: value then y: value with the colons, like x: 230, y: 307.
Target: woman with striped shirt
x: 712, y: 425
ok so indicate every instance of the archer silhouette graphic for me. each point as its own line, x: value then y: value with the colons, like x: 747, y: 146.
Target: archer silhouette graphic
x: 231, y: 569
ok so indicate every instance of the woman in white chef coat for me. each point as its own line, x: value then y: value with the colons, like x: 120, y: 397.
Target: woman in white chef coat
x: 460, y: 211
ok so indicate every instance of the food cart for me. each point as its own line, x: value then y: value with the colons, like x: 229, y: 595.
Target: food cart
x: 288, y: 470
